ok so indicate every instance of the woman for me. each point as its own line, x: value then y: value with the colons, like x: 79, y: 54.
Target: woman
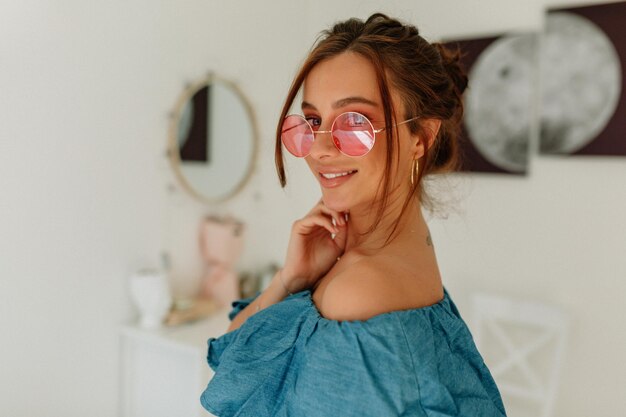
x: 357, y: 322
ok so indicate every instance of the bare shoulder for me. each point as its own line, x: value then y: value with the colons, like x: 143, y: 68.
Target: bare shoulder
x: 374, y: 286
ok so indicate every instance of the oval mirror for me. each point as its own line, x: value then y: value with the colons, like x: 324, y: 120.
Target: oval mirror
x: 212, y: 140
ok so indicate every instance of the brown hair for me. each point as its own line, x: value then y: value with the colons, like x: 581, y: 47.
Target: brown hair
x: 427, y: 76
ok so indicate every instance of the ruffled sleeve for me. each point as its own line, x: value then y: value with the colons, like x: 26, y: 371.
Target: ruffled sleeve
x: 252, y: 362
x: 217, y: 345
x: 288, y: 360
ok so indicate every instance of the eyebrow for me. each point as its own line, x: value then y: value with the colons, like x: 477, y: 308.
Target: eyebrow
x: 344, y: 102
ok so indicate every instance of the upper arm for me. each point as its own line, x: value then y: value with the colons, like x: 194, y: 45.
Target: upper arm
x: 359, y: 293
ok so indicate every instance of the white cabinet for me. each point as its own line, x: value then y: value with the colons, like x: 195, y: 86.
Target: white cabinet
x: 164, y: 371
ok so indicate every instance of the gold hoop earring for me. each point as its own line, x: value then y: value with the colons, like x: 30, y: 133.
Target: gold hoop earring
x: 414, y: 171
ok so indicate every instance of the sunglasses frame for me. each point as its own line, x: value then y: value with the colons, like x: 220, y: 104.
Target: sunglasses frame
x: 375, y: 131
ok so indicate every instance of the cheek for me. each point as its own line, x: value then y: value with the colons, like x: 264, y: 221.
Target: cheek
x: 399, y: 164
x: 373, y: 166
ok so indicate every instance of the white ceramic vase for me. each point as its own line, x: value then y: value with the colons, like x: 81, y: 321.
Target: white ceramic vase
x: 149, y: 290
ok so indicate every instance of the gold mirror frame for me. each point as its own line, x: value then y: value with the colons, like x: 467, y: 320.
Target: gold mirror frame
x: 173, y: 150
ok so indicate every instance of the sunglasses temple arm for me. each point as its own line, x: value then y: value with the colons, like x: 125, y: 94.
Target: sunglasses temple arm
x: 397, y: 124
x: 407, y: 121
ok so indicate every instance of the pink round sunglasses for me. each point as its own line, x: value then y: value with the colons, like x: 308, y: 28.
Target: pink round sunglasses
x: 353, y: 134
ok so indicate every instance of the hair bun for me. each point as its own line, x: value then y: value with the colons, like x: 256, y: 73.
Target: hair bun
x: 451, y: 61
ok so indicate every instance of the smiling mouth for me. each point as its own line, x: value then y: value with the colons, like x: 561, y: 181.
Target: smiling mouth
x: 330, y: 176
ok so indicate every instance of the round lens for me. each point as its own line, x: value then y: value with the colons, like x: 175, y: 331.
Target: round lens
x: 297, y: 135
x: 353, y: 134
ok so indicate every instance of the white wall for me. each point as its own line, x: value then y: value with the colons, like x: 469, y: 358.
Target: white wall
x: 85, y: 89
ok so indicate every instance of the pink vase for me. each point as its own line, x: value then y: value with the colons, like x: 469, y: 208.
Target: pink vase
x: 221, y: 244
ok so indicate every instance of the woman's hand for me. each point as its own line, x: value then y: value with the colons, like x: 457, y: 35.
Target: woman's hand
x: 312, y: 251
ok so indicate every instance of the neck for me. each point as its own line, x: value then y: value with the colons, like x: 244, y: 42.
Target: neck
x: 361, y: 219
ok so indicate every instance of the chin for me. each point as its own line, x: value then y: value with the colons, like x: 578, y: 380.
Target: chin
x: 336, y: 202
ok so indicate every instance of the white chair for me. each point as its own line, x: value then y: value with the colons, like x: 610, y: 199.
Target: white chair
x: 522, y: 343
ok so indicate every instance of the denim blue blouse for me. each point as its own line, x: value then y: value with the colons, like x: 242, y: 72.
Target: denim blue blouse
x: 288, y: 360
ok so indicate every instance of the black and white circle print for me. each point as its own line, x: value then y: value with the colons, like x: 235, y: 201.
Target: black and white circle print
x: 581, y: 83
x: 498, y: 101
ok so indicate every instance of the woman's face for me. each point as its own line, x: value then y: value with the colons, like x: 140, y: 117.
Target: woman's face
x: 347, y: 82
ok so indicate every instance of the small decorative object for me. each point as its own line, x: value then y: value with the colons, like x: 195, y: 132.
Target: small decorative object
x: 252, y: 282
x: 248, y: 284
x: 186, y: 311
x: 149, y: 290
x: 266, y: 276
x: 221, y: 243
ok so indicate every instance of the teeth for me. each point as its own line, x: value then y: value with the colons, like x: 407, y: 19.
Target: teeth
x: 340, y: 174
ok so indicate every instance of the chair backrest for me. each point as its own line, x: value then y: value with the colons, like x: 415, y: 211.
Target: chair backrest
x: 522, y: 343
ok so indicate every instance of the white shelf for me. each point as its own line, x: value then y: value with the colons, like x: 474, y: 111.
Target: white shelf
x: 186, y: 336
x: 164, y: 370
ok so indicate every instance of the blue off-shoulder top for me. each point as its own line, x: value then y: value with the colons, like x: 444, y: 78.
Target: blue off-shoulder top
x: 288, y: 360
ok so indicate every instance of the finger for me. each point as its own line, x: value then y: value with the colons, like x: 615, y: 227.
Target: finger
x: 341, y: 237
x: 321, y: 207
x: 311, y: 222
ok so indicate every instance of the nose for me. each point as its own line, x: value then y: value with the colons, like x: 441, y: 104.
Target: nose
x: 323, y: 145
